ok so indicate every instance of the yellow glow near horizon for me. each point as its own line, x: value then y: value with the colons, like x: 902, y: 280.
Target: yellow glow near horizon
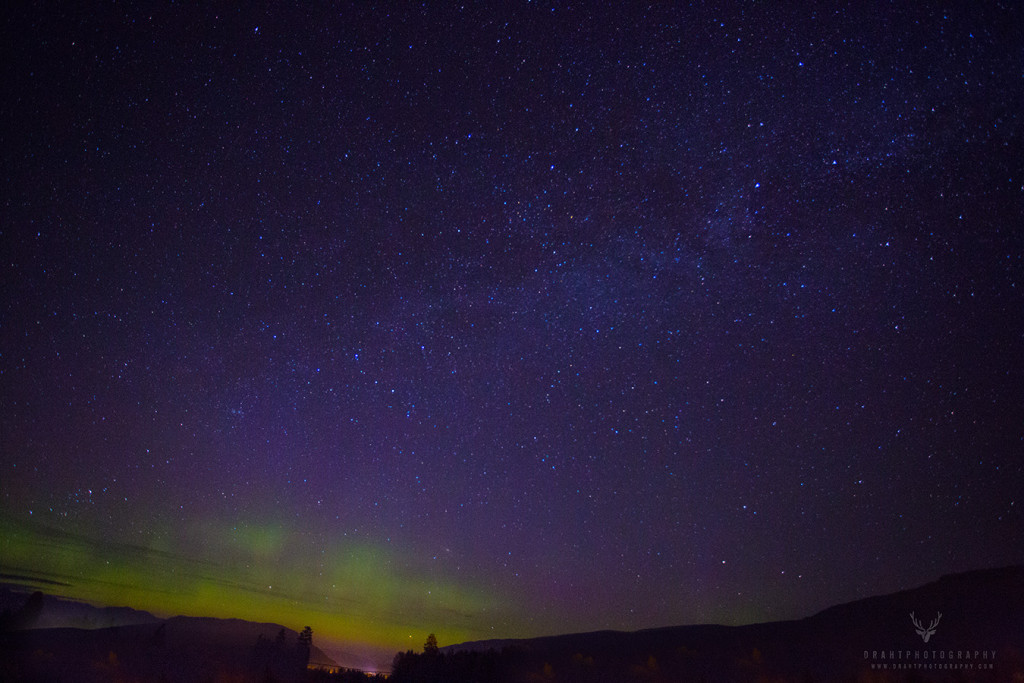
x: 353, y: 593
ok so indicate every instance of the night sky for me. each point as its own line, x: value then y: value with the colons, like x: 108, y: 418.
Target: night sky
x: 509, y: 320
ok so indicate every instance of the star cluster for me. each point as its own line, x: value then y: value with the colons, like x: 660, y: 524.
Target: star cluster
x: 509, y: 321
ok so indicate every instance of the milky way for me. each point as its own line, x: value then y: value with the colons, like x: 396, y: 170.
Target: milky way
x: 509, y: 321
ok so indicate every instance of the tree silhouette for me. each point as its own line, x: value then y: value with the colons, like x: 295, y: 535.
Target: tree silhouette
x: 430, y: 647
x: 306, y: 644
x: 25, y: 616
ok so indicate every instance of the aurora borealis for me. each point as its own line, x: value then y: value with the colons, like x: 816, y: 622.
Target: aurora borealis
x: 507, y: 321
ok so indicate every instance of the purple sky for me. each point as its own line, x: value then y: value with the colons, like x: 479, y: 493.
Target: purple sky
x: 510, y: 320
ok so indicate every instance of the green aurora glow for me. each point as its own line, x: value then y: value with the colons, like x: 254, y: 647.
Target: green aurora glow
x: 354, y: 592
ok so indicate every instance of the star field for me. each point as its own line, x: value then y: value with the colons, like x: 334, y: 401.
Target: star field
x: 509, y: 321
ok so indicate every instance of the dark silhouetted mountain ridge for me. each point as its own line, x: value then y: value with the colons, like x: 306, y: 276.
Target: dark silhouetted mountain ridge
x: 180, y: 649
x: 982, y: 612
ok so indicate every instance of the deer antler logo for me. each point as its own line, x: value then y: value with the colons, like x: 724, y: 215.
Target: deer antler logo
x: 925, y: 633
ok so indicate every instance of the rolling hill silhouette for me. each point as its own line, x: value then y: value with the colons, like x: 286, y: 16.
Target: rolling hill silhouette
x: 180, y: 649
x: 980, y: 636
x: 54, y: 612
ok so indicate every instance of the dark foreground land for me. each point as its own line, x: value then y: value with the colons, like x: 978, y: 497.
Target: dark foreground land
x: 979, y: 637
x: 182, y: 649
